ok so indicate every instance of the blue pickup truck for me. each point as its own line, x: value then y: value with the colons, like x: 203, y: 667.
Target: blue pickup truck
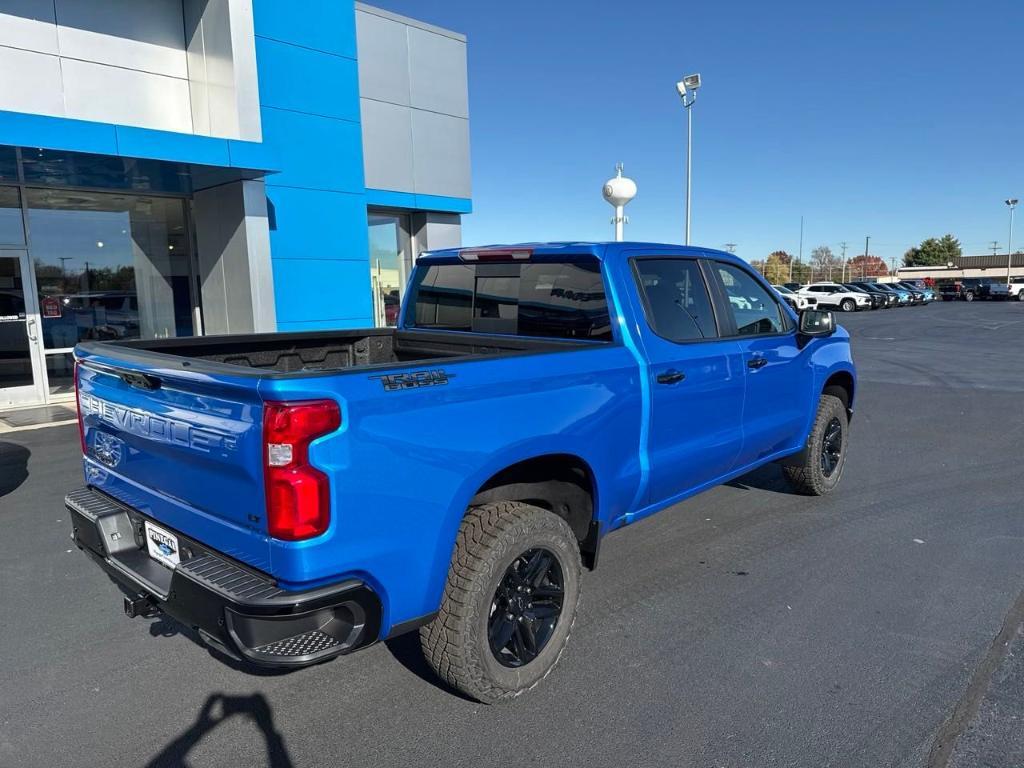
x: 296, y: 496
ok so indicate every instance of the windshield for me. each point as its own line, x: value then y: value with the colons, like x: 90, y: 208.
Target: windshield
x: 781, y: 289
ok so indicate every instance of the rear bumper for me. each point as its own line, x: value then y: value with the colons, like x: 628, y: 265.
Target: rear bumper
x: 233, y: 607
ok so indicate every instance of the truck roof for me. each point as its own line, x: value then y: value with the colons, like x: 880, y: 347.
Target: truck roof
x: 605, y: 251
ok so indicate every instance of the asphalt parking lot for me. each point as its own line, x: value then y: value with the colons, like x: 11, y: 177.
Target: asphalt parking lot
x: 880, y: 626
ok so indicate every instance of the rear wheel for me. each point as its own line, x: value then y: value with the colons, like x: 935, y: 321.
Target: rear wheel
x: 969, y: 296
x: 509, y: 604
x: 821, y: 465
x: 1020, y: 296
x: 848, y: 305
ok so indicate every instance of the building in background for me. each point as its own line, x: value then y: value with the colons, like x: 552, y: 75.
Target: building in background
x: 184, y: 167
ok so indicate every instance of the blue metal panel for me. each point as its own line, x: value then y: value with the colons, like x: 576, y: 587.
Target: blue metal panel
x: 386, y: 198
x: 310, y: 224
x: 175, y: 147
x: 315, y: 152
x: 323, y: 25
x: 444, y: 204
x: 21, y: 130
x: 324, y: 293
x: 308, y: 81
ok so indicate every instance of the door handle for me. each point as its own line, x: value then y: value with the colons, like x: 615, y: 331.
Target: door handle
x: 756, y: 363
x: 670, y: 377
x: 30, y: 329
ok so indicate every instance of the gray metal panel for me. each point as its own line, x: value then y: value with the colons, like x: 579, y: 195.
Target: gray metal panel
x: 146, y: 36
x: 114, y: 95
x: 387, y: 146
x: 409, y: 21
x: 436, y: 231
x: 383, y: 59
x: 30, y: 82
x: 28, y: 24
x: 438, y: 73
x: 441, y: 151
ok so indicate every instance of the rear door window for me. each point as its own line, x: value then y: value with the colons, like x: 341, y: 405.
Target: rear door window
x: 564, y: 300
x: 676, y: 299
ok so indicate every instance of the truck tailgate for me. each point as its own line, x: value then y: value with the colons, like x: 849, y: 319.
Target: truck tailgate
x: 184, y: 448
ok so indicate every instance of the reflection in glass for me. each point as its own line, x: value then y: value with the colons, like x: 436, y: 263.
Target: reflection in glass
x: 12, y: 228
x: 15, y: 354
x: 109, y: 266
x: 389, y: 266
x: 61, y: 370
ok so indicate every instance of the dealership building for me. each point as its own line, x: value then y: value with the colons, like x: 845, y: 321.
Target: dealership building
x: 185, y: 167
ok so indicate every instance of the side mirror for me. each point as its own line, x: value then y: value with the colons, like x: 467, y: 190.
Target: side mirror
x: 817, y: 322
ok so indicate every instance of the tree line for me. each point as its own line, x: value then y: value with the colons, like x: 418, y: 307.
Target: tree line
x: 781, y: 267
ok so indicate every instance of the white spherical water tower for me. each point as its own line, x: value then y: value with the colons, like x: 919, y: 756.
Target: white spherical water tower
x: 618, y: 192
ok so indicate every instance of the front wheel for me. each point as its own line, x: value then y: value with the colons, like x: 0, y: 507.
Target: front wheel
x: 509, y: 604
x: 821, y: 465
x: 1020, y: 296
x: 968, y: 296
x: 848, y: 305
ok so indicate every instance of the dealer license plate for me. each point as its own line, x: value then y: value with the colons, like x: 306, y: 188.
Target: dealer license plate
x: 162, y: 545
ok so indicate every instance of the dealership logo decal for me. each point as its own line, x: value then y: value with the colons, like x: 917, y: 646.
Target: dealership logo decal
x: 398, y: 382
x: 152, y: 427
x: 165, y: 544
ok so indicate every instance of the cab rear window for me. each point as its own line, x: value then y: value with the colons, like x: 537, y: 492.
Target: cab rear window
x: 542, y: 299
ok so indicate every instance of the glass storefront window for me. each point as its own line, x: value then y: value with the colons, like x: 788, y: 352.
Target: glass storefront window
x: 12, y: 227
x: 60, y: 372
x: 109, y: 266
x: 390, y: 263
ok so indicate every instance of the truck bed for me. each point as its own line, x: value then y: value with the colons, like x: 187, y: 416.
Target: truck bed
x: 324, y: 351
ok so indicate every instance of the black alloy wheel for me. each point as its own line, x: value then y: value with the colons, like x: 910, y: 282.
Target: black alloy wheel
x: 526, y: 608
x: 831, y: 447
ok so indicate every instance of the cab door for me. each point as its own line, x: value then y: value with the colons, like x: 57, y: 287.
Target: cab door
x: 696, y: 378
x: 778, y: 374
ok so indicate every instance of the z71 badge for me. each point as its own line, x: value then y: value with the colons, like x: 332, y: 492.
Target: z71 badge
x: 397, y: 382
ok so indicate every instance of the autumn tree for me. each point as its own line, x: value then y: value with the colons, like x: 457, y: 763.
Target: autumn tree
x: 776, y: 267
x: 863, y: 266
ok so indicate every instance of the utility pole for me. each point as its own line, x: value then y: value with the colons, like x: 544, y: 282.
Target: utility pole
x: 1012, y: 203
x: 994, y: 246
x: 864, y: 266
x: 843, y: 246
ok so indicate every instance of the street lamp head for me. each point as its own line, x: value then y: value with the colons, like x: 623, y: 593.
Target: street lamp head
x: 688, y: 85
x: 1012, y: 202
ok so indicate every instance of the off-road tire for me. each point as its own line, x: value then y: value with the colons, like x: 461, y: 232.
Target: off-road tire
x: 808, y: 477
x: 969, y: 296
x: 848, y: 305
x: 456, y: 643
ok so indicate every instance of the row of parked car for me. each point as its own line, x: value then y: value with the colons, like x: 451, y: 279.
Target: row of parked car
x: 851, y: 297
x: 973, y: 288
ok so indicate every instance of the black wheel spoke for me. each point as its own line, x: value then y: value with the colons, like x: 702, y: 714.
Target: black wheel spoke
x: 537, y: 568
x: 546, y: 592
x: 501, y: 630
x: 540, y: 612
x: 831, y: 447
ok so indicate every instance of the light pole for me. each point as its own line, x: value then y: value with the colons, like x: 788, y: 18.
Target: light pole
x: 687, y: 88
x: 1012, y: 203
x: 864, y: 266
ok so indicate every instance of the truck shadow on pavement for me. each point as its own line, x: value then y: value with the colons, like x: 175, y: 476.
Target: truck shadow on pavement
x: 406, y: 651
x: 13, y: 466
x: 164, y: 626
x: 767, y: 478
x: 217, y: 709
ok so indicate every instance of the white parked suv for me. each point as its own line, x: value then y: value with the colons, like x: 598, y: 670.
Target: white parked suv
x: 798, y: 302
x: 1017, y: 289
x: 837, y: 296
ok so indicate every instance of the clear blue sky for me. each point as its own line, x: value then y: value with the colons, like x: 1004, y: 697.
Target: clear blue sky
x: 899, y: 120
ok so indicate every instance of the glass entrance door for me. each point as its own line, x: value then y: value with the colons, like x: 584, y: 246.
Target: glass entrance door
x: 390, y: 264
x: 20, y: 375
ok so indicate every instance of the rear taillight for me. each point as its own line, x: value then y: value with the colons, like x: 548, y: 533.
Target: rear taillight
x: 298, y: 495
x: 78, y: 407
